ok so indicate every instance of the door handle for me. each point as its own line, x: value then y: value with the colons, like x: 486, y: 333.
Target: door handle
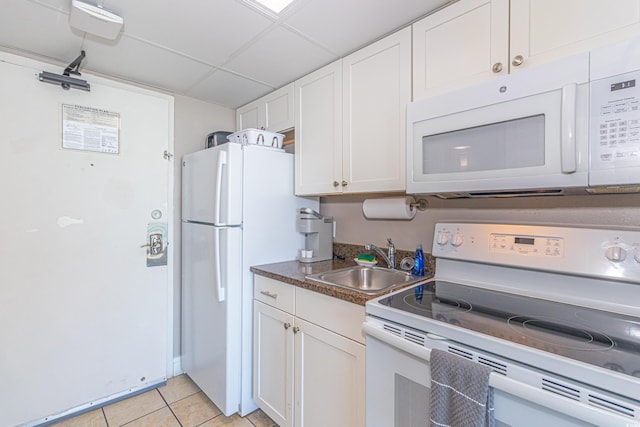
x: 155, y: 246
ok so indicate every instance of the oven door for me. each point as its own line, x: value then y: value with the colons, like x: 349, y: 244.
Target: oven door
x: 398, y: 379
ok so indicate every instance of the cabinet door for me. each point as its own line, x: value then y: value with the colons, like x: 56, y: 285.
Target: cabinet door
x: 318, y: 144
x: 462, y: 44
x: 544, y: 30
x: 249, y: 116
x: 329, y: 373
x: 376, y: 88
x: 273, y: 362
x: 278, y: 109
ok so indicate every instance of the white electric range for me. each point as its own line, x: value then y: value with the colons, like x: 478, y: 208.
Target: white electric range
x: 554, y: 311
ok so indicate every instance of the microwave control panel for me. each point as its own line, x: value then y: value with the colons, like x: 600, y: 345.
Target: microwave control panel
x: 615, y: 121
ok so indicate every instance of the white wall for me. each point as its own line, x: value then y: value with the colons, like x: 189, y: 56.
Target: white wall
x: 600, y: 210
x: 194, y: 119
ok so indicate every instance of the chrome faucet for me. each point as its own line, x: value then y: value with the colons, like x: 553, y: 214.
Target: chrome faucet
x: 390, y: 258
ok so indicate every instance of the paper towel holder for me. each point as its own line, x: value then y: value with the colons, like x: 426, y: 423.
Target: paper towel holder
x: 420, y: 204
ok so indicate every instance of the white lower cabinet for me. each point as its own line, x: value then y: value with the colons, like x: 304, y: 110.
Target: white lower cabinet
x: 309, y: 357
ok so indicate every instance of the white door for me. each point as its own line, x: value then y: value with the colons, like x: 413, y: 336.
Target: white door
x: 318, y: 145
x: 462, y: 44
x: 211, y: 317
x: 329, y: 373
x: 273, y: 362
x: 212, y: 185
x: 376, y: 83
x: 83, y: 317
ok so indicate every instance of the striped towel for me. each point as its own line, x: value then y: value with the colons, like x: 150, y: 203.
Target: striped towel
x: 460, y: 392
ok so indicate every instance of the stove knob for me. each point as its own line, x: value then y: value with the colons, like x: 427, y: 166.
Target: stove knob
x: 457, y: 240
x: 636, y: 255
x: 615, y: 253
x: 443, y: 238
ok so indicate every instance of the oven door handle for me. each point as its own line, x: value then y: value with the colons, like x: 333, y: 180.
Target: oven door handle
x: 529, y: 393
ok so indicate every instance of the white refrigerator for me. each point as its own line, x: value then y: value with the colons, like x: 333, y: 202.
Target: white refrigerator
x: 238, y: 210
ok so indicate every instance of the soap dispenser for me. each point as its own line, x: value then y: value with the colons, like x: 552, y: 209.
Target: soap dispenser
x: 418, y: 266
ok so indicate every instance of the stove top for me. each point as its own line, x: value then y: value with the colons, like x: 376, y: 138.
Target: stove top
x: 599, y: 338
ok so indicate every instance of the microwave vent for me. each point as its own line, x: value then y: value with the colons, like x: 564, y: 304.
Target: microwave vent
x: 502, y: 194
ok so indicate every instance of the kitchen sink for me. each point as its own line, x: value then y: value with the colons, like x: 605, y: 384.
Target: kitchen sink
x: 368, y: 280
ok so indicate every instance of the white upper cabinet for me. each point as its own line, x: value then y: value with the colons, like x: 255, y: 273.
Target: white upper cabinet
x: 318, y: 121
x: 459, y: 45
x: 350, y: 121
x: 544, y: 30
x: 473, y: 40
x: 376, y: 87
x: 273, y: 112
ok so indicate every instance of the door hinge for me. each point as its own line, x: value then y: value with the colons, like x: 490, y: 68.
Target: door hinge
x: 167, y: 155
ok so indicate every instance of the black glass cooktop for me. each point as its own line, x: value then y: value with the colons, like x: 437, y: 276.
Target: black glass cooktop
x: 600, y: 338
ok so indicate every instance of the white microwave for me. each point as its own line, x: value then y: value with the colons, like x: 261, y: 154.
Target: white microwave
x: 572, y: 124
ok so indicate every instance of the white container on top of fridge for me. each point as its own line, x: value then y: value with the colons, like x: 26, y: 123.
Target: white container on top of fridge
x: 238, y: 210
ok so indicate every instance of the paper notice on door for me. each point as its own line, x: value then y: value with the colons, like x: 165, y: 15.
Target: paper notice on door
x: 90, y: 129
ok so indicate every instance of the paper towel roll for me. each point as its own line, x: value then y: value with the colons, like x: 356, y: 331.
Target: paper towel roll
x: 389, y: 208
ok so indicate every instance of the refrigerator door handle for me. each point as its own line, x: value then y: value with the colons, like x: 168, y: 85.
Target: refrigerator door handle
x: 218, y: 277
x: 222, y: 161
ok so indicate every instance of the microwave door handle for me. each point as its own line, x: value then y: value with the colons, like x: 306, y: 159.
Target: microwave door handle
x: 568, y: 129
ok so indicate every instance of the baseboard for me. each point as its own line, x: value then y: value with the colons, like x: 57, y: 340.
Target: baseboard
x: 177, y: 366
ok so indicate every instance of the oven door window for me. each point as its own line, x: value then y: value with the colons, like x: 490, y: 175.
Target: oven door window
x: 411, y: 402
x: 511, y: 144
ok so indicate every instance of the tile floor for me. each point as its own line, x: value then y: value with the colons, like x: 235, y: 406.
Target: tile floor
x: 180, y: 403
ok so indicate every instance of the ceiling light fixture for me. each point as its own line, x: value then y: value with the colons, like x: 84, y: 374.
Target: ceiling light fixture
x: 275, y: 5
x: 95, y: 20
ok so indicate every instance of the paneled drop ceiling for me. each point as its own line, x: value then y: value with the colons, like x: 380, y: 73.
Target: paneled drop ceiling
x: 227, y: 52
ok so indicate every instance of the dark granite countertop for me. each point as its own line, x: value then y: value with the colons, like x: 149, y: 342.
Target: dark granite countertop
x: 294, y: 272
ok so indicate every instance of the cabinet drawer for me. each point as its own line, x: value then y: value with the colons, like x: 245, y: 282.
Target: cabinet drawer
x: 274, y: 293
x: 342, y: 317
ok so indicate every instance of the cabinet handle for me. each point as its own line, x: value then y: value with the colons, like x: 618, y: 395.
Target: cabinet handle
x: 517, y: 60
x: 295, y: 329
x: 345, y: 183
x: 497, y: 67
x: 287, y: 326
x: 336, y: 183
x: 269, y: 294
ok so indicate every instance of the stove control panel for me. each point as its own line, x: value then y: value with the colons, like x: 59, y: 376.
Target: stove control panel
x: 542, y: 246
x: 606, y: 253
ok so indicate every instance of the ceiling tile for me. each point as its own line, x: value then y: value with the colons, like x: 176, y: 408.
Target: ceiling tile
x: 359, y: 21
x: 38, y: 29
x: 135, y: 60
x: 176, y: 46
x: 279, y: 57
x: 207, y: 30
x: 228, y: 89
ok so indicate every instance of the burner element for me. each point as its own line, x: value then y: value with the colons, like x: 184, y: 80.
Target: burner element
x: 540, y: 332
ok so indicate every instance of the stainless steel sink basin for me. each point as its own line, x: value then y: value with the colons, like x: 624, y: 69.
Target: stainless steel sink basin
x: 368, y: 280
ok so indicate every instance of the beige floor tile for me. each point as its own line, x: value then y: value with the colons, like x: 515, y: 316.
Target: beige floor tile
x: 260, y: 419
x: 233, y: 421
x: 178, y: 388
x: 160, y: 418
x: 133, y: 408
x: 194, y: 410
x: 90, y: 419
